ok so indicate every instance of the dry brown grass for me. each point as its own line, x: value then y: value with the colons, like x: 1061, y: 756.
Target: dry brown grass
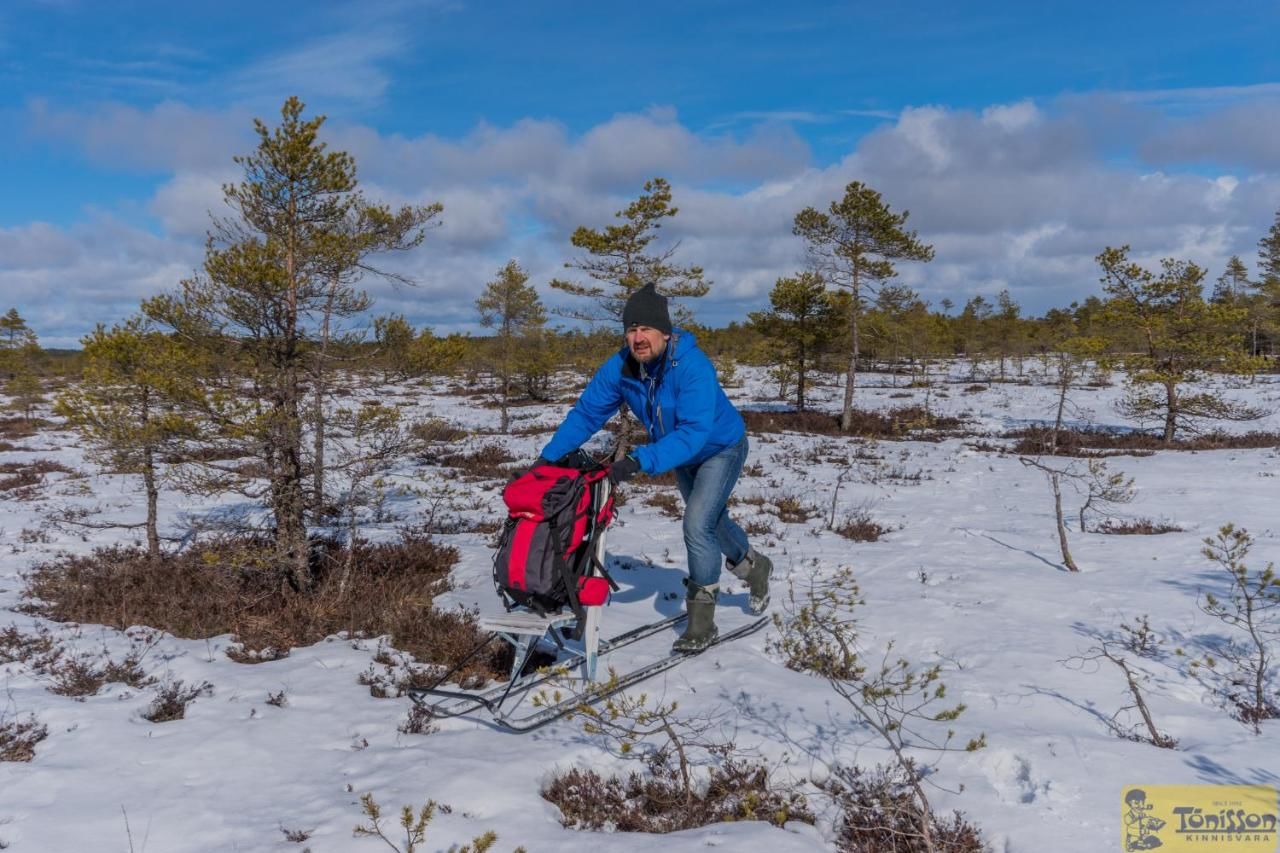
x: 1074, y: 442
x: 18, y: 738
x: 230, y: 586
x: 1136, y: 527
x: 858, y: 526
x: 655, y: 802
x: 790, y: 509
x: 436, y: 430
x: 489, y: 461
x: 879, y: 815
x: 14, y: 428
x: 904, y: 422
x: 759, y: 527
x: 18, y: 647
x: 22, y: 477
x: 172, y: 700
x: 667, y: 503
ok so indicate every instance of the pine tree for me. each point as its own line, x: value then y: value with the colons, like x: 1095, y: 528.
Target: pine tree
x: 802, y: 321
x: 972, y: 325
x: 20, y: 364
x: 622, y: 260
x: 1265, y: 303
x: 853, y: 245
x: 1006, y: 331
x: 511, y: 307
x: 1232, y: 284
x: 887, y: 323
x: 1181, y: 337
x: 394, y: 338
x: 126, y: 405
x: 275, y: 276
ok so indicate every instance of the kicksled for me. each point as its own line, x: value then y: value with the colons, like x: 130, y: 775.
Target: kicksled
x: 549, y: 571
x: 530, y: 700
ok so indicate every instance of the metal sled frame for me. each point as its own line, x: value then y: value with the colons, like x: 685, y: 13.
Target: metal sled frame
x: 525, y: 630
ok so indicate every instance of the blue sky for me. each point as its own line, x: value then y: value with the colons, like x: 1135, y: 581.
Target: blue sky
x: 1024, y: 137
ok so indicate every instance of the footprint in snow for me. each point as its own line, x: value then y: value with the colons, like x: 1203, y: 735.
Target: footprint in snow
x: 1010, y: 774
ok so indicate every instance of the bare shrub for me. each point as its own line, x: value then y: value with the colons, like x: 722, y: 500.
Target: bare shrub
x: 436, y: 430
x: 489, y: 461
x: 14, y: 428
x: 1136, y: 527
x: 1092, y: 442
x: 913, y: 422
x: 736, y: 790
x: 17, y: 647
x: 36, y: 466
x: 667, y: 503
x: 78, y: 676
x: 18, y: 738
x: 672, y: 747
x: 759, y: 527
x: 85, y: 675
x: 791, y: 509
x: 859, y: 526
x: 232, y: 586
x: 878, y: 814
x: 172, y: 700
x: 297, y: 836
x: 23, y: 480
x: 419, y: 721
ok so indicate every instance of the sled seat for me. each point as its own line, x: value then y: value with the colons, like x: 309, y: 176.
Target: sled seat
x: 523, y: 629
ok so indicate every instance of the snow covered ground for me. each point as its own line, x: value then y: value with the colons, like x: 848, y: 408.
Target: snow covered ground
x: 970, y: 576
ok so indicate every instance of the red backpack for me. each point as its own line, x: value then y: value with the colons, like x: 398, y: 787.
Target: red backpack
x: 546, y: 556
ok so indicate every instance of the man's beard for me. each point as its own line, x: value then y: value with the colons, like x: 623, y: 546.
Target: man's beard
x: 651, y: 354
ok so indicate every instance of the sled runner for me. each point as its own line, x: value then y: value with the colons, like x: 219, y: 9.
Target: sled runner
x: 505, y: 703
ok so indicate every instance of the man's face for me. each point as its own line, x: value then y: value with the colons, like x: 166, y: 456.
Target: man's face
x: 645, y: 343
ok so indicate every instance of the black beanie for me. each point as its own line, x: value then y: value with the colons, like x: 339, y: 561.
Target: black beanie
x: 647, y: 307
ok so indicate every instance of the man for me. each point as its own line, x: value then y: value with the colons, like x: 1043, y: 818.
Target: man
x: 671, y: 386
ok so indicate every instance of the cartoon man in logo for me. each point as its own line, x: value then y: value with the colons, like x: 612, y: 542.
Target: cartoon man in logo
x: 1140, y: 826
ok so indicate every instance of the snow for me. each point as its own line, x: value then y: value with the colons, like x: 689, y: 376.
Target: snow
x: 970, y: 577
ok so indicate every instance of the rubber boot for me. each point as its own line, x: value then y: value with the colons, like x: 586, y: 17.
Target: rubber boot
x: 700, y: 630
x: 755, y: 569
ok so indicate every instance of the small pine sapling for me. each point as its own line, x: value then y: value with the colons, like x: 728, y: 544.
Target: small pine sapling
x: 415, y: 828
x: 1103, y: 489
x: 1136, y: 641
x: 894, y: 698
x: 626, y: 721
x: 1245, y: 668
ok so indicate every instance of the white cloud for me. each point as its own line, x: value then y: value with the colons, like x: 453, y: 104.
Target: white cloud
x: 348, y: 67
x: 169, y: 137
x: 1022, y: 195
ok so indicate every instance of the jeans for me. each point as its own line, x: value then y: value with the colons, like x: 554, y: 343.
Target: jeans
x: 709, y: 533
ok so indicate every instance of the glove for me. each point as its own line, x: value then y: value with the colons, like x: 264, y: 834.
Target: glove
x: 520, y: 472
x: 624, y: 469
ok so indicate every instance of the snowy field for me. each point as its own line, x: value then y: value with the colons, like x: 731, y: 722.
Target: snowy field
x: 970, y: 576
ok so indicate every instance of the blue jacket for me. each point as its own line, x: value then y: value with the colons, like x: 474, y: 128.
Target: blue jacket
x: 679, y: 400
